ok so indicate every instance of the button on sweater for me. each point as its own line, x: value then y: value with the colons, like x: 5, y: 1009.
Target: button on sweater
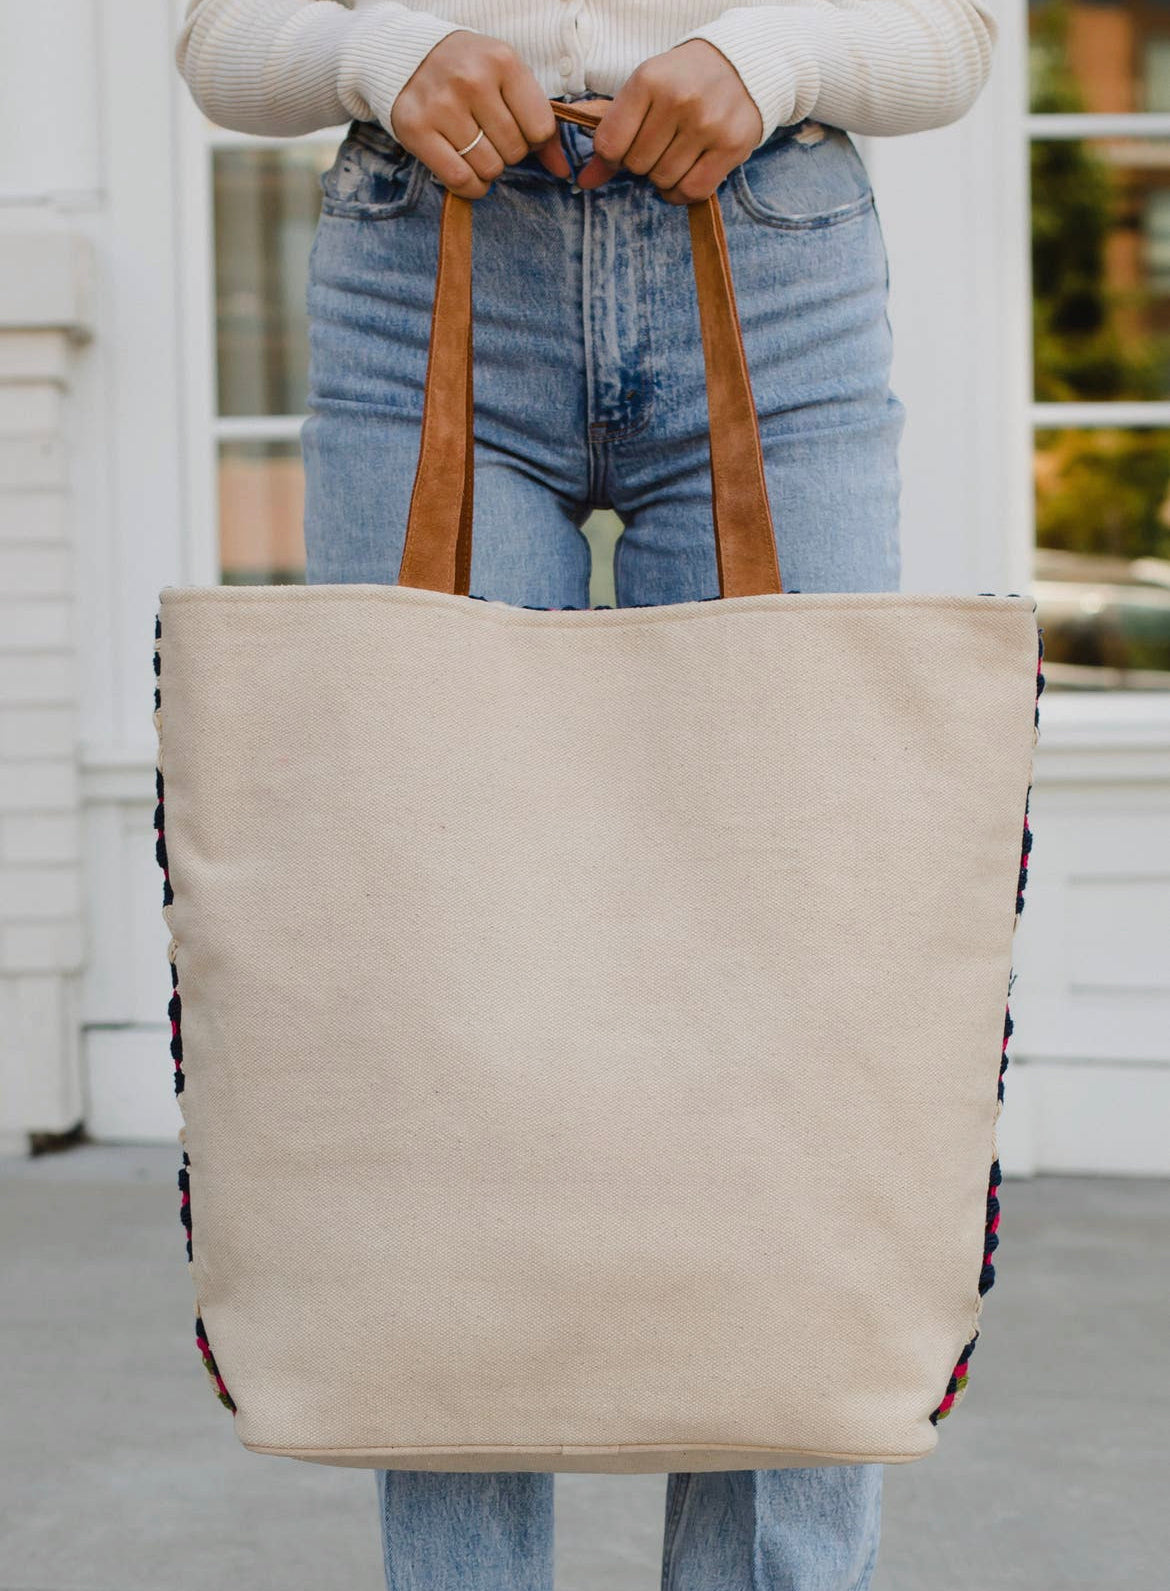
x: 282, y: 67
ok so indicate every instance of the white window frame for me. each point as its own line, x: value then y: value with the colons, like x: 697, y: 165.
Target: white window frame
x: 204, y: 428
x: 956, y: 208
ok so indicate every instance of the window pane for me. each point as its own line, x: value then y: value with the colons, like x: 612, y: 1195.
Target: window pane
x: 1101, y: 268
x: 261, y: 508
x: 266, y: 207
x: 1103, y: 557
x: 1099, y: 55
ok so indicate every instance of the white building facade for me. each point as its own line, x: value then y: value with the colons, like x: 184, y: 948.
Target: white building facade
x: 148, y: 437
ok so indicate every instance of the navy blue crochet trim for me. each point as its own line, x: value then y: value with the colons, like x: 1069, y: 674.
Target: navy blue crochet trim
x: 185, y: 1200
x: 957, y: 1383
x: 174, y: 1007
x: 174, y: 1012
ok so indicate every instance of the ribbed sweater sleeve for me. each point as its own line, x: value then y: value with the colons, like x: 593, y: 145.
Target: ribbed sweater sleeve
x: 872, y: 66
x: 283, y: 67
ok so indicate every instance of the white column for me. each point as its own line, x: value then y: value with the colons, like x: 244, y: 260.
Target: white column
x: 954, y: 209
x: 91, y: 525
x: 43, y: 317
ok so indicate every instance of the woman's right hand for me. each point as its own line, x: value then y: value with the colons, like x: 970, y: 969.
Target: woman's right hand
x: 468, y: 81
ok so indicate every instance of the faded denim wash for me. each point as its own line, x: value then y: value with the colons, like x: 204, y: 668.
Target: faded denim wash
x: 590, y: 393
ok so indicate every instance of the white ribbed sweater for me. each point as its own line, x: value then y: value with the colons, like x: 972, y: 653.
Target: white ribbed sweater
x: 282, y: 67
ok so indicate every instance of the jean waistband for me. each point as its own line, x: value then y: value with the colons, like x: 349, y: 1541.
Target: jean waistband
x: 576, y: 141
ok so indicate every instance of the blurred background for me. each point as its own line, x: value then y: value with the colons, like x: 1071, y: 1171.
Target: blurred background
x: 152, y: 385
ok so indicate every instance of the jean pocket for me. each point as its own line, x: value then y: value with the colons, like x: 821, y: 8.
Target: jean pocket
x: 373, y: 177
x: 813, y: 177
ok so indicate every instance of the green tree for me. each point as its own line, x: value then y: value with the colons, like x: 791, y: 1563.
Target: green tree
x: 1097, y: 491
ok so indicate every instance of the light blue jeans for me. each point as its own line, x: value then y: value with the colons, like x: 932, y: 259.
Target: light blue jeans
x: 590, y: 393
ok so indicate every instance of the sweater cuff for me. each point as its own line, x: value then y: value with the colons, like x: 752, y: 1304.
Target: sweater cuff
x: 777, y: 53
x: 382, y: 49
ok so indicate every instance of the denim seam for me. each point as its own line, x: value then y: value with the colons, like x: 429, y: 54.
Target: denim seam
x: 865, y: 1577
x: 600, y: 431
x: 645, y: 332
x: 751, y: 205
x: 391, y: 1577
x: 603, y: 431
x: 674, y: 1525
x: 319, y: 402
x: 618, y: 581
x: 344, y: 210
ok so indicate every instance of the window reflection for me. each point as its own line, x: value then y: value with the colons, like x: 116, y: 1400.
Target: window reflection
x: 261, y: 510
x: 1101, y: 268
x: 1104, y: 56
x: 266, y: 206
x: 1102, y: 574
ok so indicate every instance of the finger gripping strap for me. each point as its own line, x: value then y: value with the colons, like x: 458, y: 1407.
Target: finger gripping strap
x: 437, y: 553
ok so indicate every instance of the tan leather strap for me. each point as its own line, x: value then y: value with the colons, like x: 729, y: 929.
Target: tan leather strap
x: 437, y: 553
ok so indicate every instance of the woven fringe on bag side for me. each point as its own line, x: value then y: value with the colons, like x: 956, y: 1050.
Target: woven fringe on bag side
x: 957, y: 1384
x: 174, y: 1012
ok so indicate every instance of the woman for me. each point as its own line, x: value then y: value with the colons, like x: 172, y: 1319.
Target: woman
x: 590, y: 392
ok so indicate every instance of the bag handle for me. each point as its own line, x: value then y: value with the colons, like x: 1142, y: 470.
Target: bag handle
x: 437, y: 552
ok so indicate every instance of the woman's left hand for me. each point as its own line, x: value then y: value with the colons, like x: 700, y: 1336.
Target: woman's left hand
x: 684, y: 119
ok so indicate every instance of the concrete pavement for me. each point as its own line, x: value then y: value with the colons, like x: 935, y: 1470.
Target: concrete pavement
x: 120, y: 1472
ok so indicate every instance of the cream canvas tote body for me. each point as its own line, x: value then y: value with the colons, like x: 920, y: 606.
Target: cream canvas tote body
x: 589, y: 1027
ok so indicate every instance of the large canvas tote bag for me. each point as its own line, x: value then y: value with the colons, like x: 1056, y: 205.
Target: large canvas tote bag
x: 589, y: 1026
